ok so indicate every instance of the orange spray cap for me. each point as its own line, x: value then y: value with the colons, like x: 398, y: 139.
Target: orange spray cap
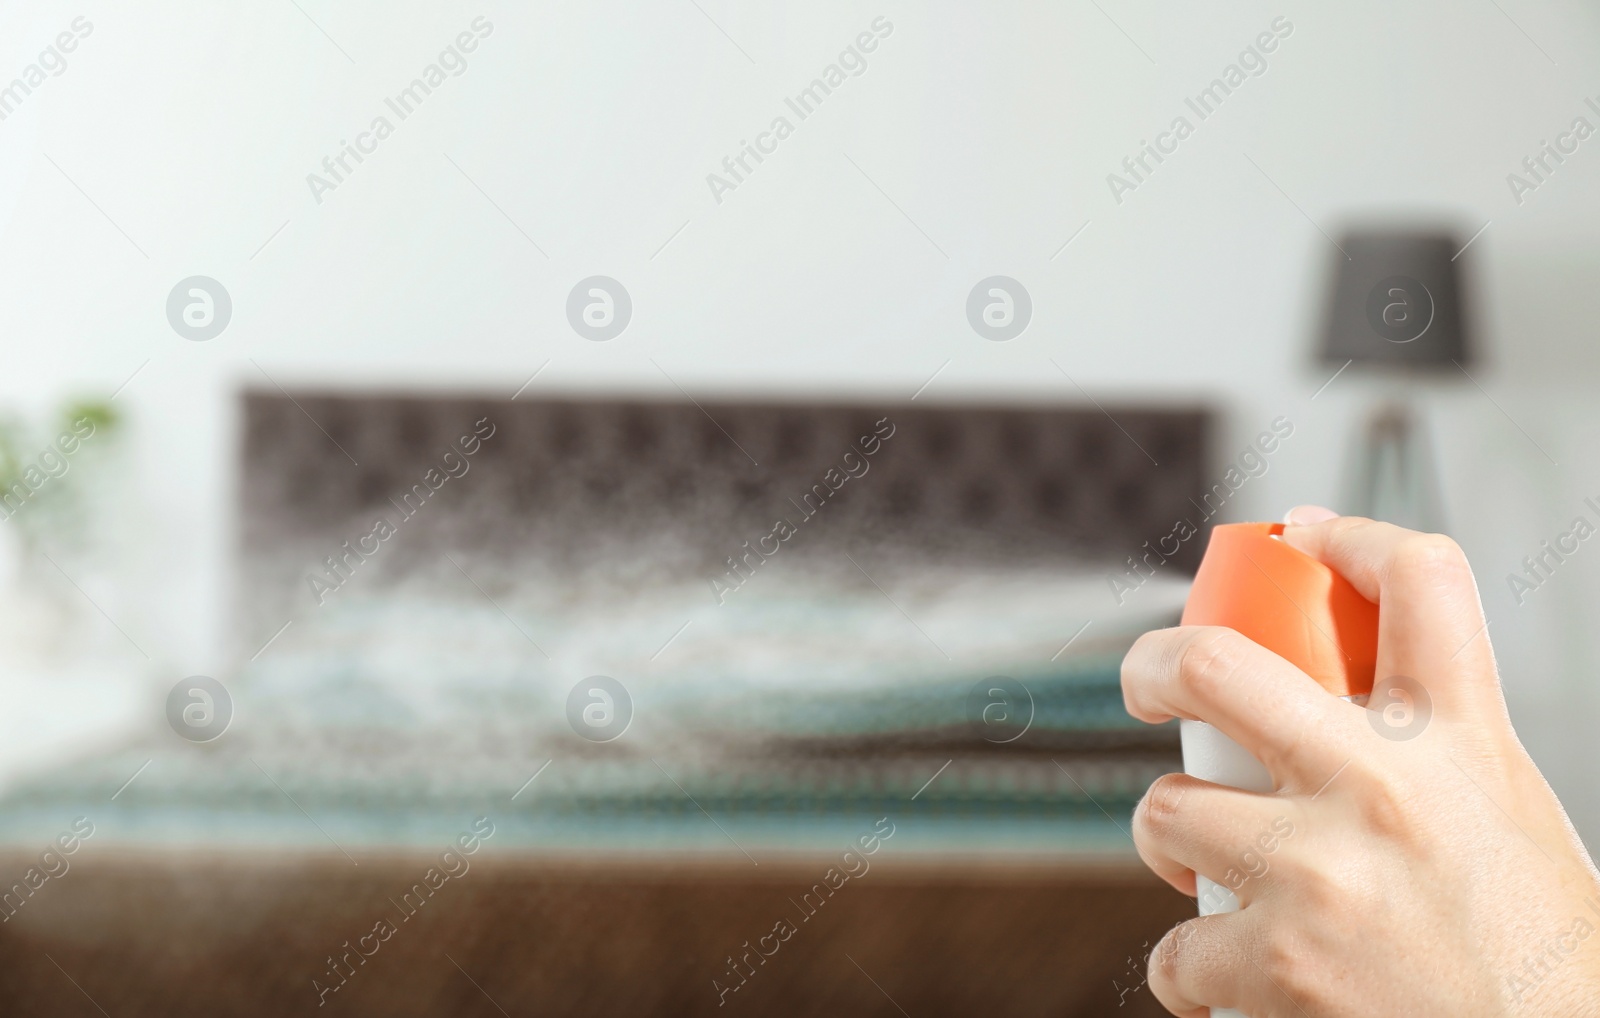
x: 1288, y: 602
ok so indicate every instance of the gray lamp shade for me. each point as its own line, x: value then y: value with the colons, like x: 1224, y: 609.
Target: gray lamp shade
x: 1396, y: 300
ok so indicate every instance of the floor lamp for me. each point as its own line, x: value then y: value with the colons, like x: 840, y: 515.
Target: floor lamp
x: 1396, y: 315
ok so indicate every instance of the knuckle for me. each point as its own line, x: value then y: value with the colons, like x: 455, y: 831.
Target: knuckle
x: 1158, y: 811
x: 1136, y: 668
x: 1349, y: 532
x: 1345, y: 526
x: 1321, y: 890
x: 1284, y: 960
x: 1293, y: 961
x: 1207, y: 659
x: 1429, y: 557
x: 1166, y: 961
x: 1387, y: 811
x: 1340, y: 889
x: 1143, y: 649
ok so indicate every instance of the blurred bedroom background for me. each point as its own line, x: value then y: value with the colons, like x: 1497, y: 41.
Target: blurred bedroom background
x: 979, y: 297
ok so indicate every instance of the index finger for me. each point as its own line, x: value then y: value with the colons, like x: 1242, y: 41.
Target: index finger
x: 1430, y: 622
x: 1278, y: 713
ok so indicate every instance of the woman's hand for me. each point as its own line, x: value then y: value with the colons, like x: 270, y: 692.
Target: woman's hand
x: 1428, y: 869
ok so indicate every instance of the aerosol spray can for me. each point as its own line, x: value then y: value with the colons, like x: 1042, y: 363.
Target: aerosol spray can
x: 1296, y: 607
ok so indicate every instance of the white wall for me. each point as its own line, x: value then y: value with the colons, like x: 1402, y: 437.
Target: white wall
x: 193, y: 126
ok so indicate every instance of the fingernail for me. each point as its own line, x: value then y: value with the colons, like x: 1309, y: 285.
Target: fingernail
x: 1305, y: 515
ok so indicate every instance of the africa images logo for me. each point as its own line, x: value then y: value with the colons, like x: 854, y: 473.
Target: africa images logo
x: 199, y: 708
x: 999, y: 308
x: 199, y: 308
x: 599, y: 709
x: 1400, y: 309
x: 599, y: 308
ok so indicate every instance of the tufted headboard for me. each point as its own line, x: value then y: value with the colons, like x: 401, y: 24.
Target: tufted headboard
x: 637, y: 492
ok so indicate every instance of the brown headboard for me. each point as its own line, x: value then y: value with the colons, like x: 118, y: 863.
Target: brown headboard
x: 639, y: 490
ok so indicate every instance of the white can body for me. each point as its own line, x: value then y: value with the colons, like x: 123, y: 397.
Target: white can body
x: 1212, y: 756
